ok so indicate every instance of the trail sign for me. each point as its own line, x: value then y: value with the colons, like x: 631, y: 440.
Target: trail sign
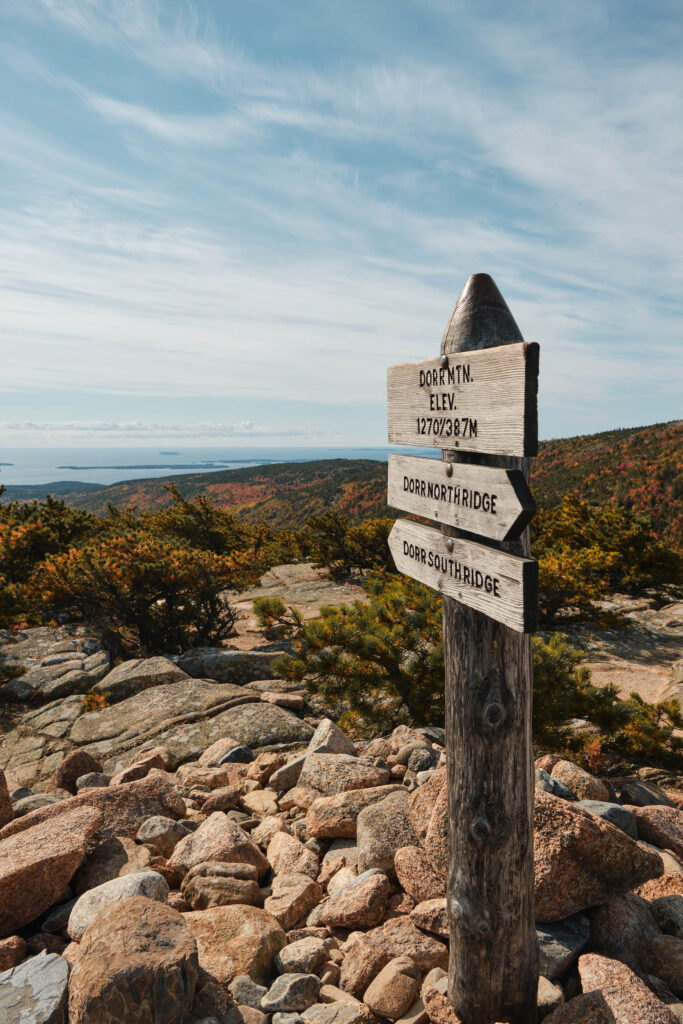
x: 478, y: 401
x: 492, y: 502
x: 502, y: 586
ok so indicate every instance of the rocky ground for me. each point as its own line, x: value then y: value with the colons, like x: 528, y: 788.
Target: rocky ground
x: 208, y: 848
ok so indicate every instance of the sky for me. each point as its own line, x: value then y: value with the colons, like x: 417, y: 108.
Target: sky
x: 221, y: 222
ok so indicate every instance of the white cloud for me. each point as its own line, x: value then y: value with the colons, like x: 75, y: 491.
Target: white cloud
x: 135, y: 431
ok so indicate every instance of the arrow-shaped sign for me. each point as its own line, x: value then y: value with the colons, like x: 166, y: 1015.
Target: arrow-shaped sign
x: 500, y: 585
x: 495, y: 503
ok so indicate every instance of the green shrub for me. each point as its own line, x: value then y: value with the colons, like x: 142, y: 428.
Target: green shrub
x: 153, y: 596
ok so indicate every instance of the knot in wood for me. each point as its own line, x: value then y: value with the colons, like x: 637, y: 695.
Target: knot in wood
x: 480, y: 829
x: 493, y: 714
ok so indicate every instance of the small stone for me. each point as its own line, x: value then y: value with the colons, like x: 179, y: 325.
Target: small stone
x: 287, y: 1018
x: 92, y: 780
x: 383, y: 829
x: 361, y: 964
x: 13, y: 949
x: 217, y: 750
x: 217, y: 839
x: 661, y: 826
x: 261, y: 801
x: 394, y: 989
x: 110, y: 859
x: 417, y: 876
x: 549, y: 997
x: 58, y: 918
x: 238, y: 755
x: 359, y: 904
x: 287, y: 776
x: 622, y: 817
x: 298, y: 796
x: 670, y: 884
x: 306, y: 956
x: 335, y: 1013
x: 291, y: 992
x: 236, y: 940
x: 329, y: 739
x: 336, y: 817
x: 91, y: 903
x: 560, y: 943
x: 293, y: 896
x: 400, y: 937
x: 220, y: 885
x: 668, y: 913
x: 584, y: 1009
x: 140, y: 769
x: 288, y: 855
x: 246, y: 992
x: 162, y: 834
x: 75, y: 764
x: 584, y: 785
x: 643, y: 794
x: 432, y: 916
x: 290, y: 701
x: 620, y: 927
x: 662, y: 955
x: 35, y: 991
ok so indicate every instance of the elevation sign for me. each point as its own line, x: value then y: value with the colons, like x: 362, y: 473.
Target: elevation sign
x: 494, y: 503
x: 502, y: 586
x: 479, y: 401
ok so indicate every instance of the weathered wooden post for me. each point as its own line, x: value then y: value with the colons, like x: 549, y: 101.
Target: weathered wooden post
x: 486, y: 382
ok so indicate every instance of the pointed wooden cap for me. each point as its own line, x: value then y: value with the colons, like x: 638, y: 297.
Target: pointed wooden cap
x: 481, y: 318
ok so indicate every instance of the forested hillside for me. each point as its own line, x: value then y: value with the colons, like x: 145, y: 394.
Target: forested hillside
x: 639, y: 468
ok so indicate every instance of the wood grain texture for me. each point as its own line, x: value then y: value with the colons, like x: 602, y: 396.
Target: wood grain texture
x: 494, y: 503
x: 482, y: 402
x: 493, y: 971
x: 502, y: 586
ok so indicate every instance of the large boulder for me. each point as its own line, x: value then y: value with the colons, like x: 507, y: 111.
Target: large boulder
x: 91, y: 903
x: 399, y: 937
x: 583, y: 785
x: 417, y: 876
x: 137, y: 964
x: 337, y: 773
x: 560, y: 943
x: 238, y: 667
x: 122, y: 808
x: 581, y: 860
x: 661, y: 826
x: 236, y: 940
x: 628, y: 998
x: 287, y: 854
x: 36, y: 991
x: 383, y: 828
x: 132, y: 677
x: 37, y: 864
x: 336, y: 817
x: 292, y: 897
x: 218, y: 838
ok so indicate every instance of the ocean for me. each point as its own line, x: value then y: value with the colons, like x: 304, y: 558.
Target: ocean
x: 110, y: 465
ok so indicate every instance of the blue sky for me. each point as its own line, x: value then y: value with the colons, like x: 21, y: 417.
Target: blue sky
x: 220, y: 222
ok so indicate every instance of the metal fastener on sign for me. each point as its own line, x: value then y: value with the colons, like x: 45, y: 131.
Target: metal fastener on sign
x: 449, y: 544
x: 449, y: 469
x: 444, y: 361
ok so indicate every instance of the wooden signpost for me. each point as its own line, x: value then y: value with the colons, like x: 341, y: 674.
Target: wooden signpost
x: 494, y: 503
x: 478, y: 404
